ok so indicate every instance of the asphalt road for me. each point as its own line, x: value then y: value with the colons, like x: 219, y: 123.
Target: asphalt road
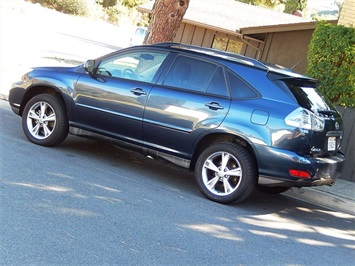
x: 88, y: 203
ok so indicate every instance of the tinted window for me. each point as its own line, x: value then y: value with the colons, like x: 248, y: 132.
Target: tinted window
x: 240, y: 89
x: 190, y: 73
x: 305, y: 94
x: 218, y: 84
x: 138, y: 65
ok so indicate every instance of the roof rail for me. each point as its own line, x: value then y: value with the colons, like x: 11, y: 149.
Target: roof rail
x: 211, y: 51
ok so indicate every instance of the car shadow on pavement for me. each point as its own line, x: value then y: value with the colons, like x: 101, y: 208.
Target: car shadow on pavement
x: 266, y: 216
x: 170, y: 175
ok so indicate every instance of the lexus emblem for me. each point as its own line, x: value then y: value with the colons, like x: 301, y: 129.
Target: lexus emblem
x: 336, y: 125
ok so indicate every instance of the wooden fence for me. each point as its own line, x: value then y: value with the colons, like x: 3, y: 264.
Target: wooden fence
x: 348, y: 146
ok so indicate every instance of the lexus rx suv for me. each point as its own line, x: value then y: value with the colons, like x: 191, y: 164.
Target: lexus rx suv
x: 238, y: 123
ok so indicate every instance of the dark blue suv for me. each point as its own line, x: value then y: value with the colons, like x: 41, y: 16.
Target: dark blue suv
x: 236, y: 122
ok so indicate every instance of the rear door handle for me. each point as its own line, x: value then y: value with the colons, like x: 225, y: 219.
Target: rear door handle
x: 138, y: 91
x: 214, y: 106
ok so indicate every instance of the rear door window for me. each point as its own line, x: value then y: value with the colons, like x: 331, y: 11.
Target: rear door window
x: 218, y: 84
x: 197, y: 75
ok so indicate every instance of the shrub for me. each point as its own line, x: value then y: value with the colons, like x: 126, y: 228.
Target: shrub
x: 331, y: 59
x: 73, y: 7
x: 293, y: 5
x: 106, y: 3
x: 113, y: 14
x: 132, y: 3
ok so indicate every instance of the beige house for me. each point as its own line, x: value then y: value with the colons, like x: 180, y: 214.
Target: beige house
x: 254, y: 31
x: 347, y: 14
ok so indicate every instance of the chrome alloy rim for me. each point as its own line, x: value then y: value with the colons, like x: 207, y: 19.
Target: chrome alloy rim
x: 221, y: 173
x: 41, y: 120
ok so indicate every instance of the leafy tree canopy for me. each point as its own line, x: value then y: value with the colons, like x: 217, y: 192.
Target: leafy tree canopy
x: 289, y: 5
x: 265, y: 3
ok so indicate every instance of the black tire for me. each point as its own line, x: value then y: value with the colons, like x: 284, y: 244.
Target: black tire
x: 272, y: 190
x: 44, y: 120
x: 225, y: 182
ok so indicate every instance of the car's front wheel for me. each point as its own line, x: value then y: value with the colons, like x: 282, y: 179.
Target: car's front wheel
x: 225, y: 173
x: 44, y: 120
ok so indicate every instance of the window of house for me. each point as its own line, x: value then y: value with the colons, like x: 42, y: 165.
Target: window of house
x: 226, y: 44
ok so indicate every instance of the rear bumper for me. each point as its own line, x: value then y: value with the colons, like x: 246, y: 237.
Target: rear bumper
x: 274, y: 169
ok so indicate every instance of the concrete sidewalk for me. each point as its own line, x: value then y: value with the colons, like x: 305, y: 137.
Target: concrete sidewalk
x: 339, y: 197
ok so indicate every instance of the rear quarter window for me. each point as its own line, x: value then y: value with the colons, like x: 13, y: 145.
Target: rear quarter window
x: 240, y: 89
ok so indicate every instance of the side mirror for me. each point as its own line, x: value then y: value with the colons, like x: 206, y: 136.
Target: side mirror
x: 89, y: 66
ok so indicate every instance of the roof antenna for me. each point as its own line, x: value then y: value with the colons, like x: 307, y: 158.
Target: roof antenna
x: 296, y: 64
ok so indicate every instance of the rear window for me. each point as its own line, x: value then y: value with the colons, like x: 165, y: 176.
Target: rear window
x: 305, y: 93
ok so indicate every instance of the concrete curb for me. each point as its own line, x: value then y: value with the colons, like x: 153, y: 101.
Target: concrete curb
x: 336, y: 199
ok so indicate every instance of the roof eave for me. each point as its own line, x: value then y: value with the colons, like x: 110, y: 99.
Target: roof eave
x: 311, y: 25
x: 210, y: 27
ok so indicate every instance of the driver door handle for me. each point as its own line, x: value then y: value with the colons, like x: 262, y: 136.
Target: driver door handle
x: 138, y: 91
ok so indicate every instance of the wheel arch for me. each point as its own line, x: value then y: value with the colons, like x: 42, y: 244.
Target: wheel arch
x: 220, y: 137
x: 40, y: 89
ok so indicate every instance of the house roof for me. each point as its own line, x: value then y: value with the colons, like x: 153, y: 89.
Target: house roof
x: 231, y: 16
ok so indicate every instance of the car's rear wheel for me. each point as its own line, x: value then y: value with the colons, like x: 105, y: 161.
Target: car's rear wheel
x: 272, y: 190
x: 44, y: 120
x: 225, y: 173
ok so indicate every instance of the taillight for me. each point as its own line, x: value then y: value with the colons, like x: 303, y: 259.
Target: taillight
x: 299, y: 173
x: 303, y: 118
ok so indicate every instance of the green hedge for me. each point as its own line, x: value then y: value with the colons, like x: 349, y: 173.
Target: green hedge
x: 331, y: 60
x: 109, y: 10
x: 73, y: 7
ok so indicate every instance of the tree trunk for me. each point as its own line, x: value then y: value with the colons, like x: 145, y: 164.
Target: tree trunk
x: 165, y: 22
